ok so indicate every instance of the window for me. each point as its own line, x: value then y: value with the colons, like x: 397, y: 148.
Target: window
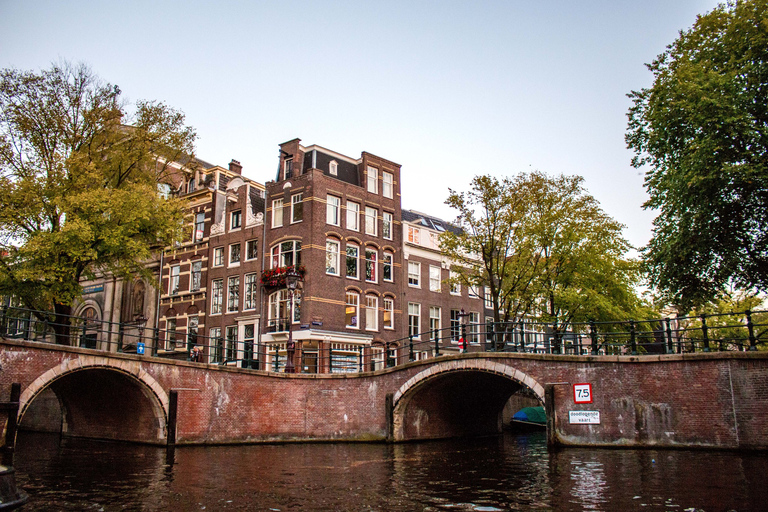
x: 455, y: 286
x: 216, y: 343
x: 474, y: 327
x: 386, y: 266
x: 297, y: 208
x: 370, y: 220
x: 233, y: 294
x: 251, y: 250
x: 386, y: 225
x: 371, y: 313
x: 234, y: 220
x: 413, y: 235
x: 389, y: 314
x: 191, y: 185
x: 173, y: 286
x: 472, y: 292
x: 488, y: 298
x: 170, y: 334
x: 251, y: 298
x: 353, y: 216
x: 352, y: 256
x: 199, y: 226
x: 217, y: 293
x: 455, y: 325
x: 231, y: 347
x: 218, y: 257
x: 234, y: 254
x: 197, y: 270
x: 192, y: 324
x: 288, y: 168
x: 332, y: 210
x: 333, y: 168
x: 277, y: 213
x: 164, y: 190
x: 414, y: 274
x: 373, y: 180
x: 370, y: 265
x: 353, y: 310
x: 281, y: 311
x: 386, y: 184
x: 434, y: 322
x: 414, y: 319
x: 286, y: 254
x: 434, y: 278
x: 332, y: 257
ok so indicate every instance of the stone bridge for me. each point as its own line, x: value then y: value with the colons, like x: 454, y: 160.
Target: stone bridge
x: 685, y: 400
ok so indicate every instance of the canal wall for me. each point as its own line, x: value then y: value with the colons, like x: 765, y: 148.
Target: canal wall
x: 712, y: 400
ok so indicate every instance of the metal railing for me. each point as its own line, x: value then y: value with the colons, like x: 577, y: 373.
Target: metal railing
x: 742, y: 331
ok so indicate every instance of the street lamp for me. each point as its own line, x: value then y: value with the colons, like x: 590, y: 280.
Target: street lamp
x: 292, y: 279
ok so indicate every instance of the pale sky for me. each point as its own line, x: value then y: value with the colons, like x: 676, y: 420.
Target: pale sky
x: 447, y: 89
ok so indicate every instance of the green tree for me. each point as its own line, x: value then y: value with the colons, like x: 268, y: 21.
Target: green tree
x: 541, y: 245
x: 78, y: 183
x: 701, y: 131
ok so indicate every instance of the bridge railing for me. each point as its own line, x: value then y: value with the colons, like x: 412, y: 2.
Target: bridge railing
x: 747, y: 330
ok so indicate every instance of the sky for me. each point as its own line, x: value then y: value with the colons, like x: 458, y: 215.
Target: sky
x: 447, y: 89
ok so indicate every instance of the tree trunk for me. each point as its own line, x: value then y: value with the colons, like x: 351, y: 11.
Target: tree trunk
x: 62, y: 323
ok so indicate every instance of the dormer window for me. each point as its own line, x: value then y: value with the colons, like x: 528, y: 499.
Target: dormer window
x: 236, y: 220
x: 288, y: 168
x: 191, y: 185
x: 333, y: 168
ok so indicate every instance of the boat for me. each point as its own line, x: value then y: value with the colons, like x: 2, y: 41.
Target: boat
x: 11, y: 497
x: 529, y: 418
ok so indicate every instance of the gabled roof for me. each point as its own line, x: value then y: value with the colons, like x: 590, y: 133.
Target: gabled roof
x: 429, y: 222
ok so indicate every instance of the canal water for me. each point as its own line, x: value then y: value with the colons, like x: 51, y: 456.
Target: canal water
x: 511, y: 472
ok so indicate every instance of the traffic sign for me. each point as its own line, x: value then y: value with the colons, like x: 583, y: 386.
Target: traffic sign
x: 582, y: 393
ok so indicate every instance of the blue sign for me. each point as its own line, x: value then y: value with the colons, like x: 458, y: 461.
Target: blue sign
x: 140, y: 348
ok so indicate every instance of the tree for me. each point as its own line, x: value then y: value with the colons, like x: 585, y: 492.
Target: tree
x: 702, y: 131
x: 78, y: 183
x: 541, y: 243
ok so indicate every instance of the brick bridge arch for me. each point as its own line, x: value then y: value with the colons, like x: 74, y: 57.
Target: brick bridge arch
x: 471, y: 394
x: 103, y: 398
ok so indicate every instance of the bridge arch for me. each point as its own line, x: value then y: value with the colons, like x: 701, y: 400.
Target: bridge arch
x: 457, y: 397
x: 103, y: 399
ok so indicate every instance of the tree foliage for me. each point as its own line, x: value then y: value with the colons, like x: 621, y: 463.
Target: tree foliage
x: 543, y: 246
x: 78, y: 182
x: 701, y: 130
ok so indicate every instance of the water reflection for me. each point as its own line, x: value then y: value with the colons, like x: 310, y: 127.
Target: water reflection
x: 505, y: 473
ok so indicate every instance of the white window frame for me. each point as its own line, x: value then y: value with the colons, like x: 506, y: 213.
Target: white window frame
x: 414, y: 274
x: 414, y: 311
x: 277, y: 255
x: 217, y: 296
x: 218, y: 256
x: 235, y: 263
x: 389, y: 308
x: 332, y: 248
x: 371, y: 221
x: 352, y: 305
x: 372, y: 264
x: 233, y: 294
x: 387, y: 184
x: 434, y: 321
x: 434, y: 278
x: 199, y: 226
x: 174, y: 280
x: 387, y: 261
x: 277, y: 213
x: 371, y: 313
x: 196, y: 276
x: 455, y: 287
x: 373, y: 180
x: 297, y: 200
x: 473, y: 331
x: 414, y: 235
x: 250, y: 297
x: 333, y: 205
x: 251, y: 243
x: 353, y: 216
x: 386, y: 225
x: 488, y: 300
x: 333, y: 168
x: 357, y: 261
x: 236, y: 215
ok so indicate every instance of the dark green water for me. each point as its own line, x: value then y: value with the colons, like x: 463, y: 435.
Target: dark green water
x: 505, y: 473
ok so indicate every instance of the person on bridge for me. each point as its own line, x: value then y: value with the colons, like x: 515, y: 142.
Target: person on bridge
x: 462, y: 345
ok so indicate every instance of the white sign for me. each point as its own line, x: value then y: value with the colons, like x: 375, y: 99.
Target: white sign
x: 582, y: 393
x: 584, y: 417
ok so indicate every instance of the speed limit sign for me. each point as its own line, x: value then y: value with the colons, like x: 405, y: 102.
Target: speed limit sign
x: 582, y: 393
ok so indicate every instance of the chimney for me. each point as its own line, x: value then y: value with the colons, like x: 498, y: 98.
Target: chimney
x: 235, y: 167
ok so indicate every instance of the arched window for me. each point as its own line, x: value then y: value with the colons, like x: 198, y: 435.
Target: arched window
x: 286, y: 254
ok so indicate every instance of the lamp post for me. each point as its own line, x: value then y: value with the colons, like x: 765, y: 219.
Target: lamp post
x: 292, y: 279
